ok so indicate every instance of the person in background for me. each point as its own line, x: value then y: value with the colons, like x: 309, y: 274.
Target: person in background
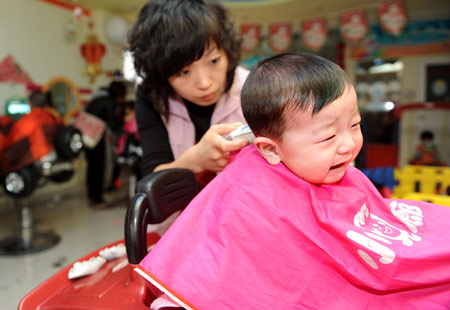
x: 290, y: 223
x: 128, y: 150
x: 187, y: 52
x: 129, y: 128
x: 105, y: 105
x: 427, y: 152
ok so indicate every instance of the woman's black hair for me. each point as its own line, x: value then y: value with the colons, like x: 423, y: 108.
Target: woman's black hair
x: 171, y: 34
x: 283, y: 84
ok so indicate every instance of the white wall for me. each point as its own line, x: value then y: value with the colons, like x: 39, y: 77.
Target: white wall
x: 33, y: 33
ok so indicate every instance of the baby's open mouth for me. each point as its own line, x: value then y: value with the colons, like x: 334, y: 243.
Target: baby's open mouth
x: 337, y: 166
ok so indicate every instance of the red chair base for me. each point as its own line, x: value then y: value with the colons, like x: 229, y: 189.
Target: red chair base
x: 105, y: 289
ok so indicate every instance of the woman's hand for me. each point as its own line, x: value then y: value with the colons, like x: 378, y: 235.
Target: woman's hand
x: 211, y: 152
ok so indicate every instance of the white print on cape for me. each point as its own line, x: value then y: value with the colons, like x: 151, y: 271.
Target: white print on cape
x: 411, y: 216
x: 376, y: 229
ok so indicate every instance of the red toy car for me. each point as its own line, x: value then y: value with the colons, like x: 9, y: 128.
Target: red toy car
x: 34, y: 149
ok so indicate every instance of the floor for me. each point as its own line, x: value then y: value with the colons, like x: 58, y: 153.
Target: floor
x: 63, y: 209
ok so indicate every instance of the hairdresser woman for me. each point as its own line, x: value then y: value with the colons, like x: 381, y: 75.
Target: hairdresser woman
x: 187, y: 53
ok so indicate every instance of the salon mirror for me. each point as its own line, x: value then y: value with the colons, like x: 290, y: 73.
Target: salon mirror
x: 63, y: 97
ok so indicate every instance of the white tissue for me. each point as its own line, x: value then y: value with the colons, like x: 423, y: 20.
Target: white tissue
x: 86, y: 267
x: 113, y: 252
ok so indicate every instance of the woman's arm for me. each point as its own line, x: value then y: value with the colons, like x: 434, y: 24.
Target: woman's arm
x: 153, y: 135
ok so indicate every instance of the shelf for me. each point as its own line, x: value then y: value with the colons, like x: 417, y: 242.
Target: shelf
x: 377, y: 76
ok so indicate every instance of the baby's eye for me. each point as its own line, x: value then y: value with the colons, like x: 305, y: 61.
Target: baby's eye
x: 329, y: 138
x: 356, y: 125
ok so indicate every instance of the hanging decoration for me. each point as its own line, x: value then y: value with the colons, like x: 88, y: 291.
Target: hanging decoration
x: 314, y: 33
x: 250, y: 36
x: 77, y: 13
x: 77, y: 10
x: 392, y: 16
x: 354, y: 25
x: 71, y: 27
x: 93, y: 51
x: 280, y: 36
x: 12, y: 72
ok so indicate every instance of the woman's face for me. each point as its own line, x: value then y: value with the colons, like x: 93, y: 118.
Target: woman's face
x: 203, y: 81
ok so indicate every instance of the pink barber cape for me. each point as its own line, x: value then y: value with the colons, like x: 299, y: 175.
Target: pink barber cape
x: 259, y: 237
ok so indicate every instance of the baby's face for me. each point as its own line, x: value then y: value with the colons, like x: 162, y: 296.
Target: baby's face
x: 319, y: 147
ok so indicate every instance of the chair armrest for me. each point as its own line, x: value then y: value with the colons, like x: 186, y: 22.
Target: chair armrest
x: 158, y: 196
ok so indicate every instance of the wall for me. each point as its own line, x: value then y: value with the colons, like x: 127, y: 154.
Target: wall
x: 413, y: 77
x: 295, y: 11
x: 33, y: 33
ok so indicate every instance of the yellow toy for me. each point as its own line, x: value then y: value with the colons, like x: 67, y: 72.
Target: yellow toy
x: 425, y: 183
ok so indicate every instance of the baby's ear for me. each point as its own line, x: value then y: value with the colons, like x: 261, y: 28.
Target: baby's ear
x: 268, y: 149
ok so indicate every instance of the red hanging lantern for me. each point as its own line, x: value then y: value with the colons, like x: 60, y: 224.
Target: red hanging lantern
x: 93, y: 51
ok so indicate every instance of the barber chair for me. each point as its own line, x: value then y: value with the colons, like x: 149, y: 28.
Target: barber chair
x: 116, y: 285
x: 20, y: 184
x: 158, y: 196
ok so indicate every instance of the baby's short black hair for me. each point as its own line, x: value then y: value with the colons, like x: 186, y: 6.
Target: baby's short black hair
x: 286, y: 83
x: 171, y: 34
x: 426, y: 135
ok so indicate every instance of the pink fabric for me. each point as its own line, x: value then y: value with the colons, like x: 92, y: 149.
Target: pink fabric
x: 163, y: 301
x: 129, y: 128
x: 258, y: 237
x: 180, y: 128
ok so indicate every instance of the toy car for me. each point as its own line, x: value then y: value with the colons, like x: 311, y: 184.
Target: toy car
x: 21, y: 178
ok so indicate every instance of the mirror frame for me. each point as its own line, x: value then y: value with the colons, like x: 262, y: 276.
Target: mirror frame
x: 60, y: 79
